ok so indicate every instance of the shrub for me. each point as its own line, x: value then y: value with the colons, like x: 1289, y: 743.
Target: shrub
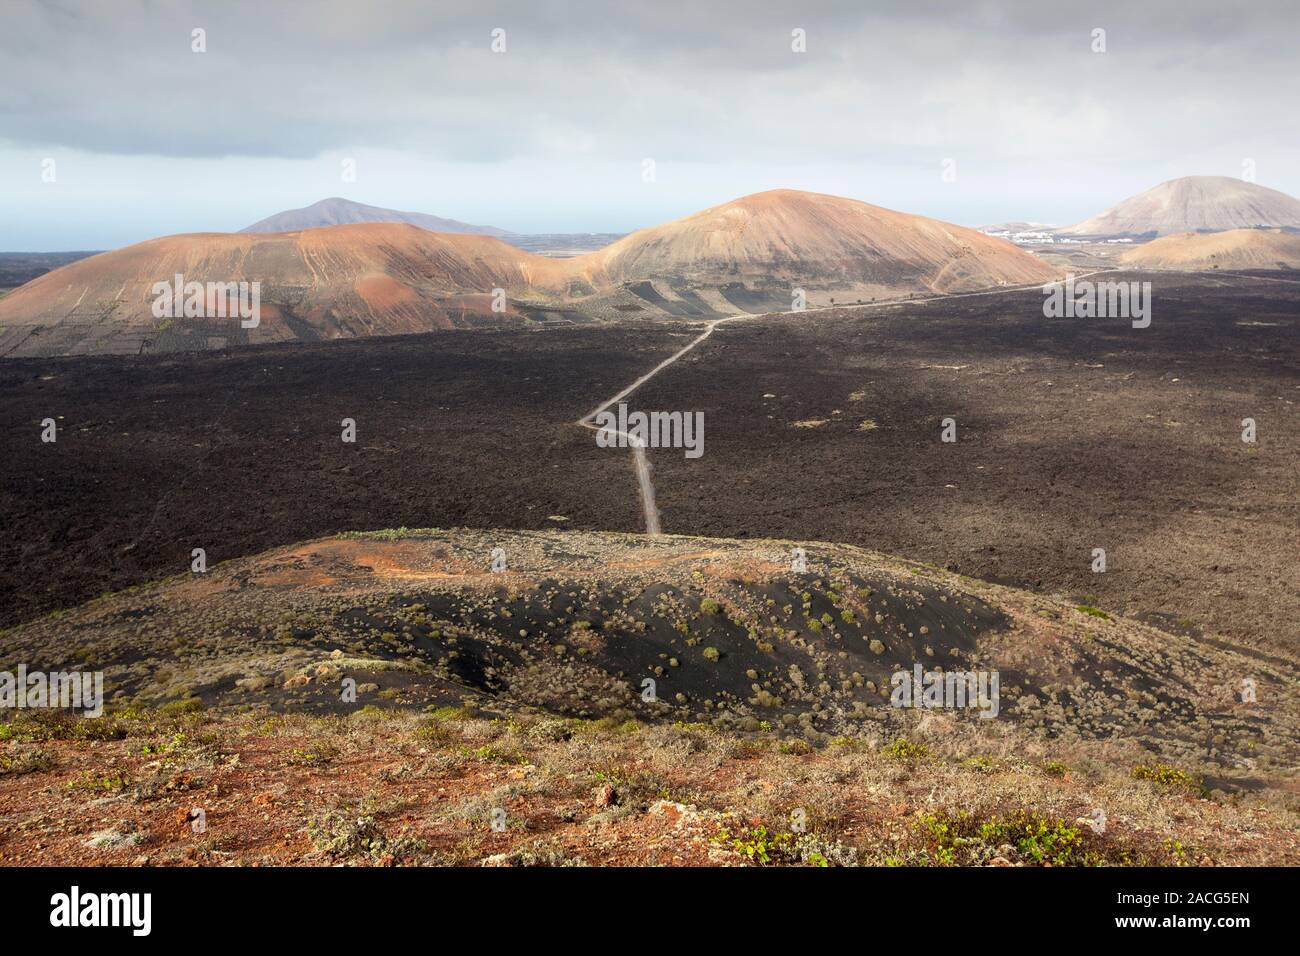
x: 758, y: 846
x: 962, y: 839
x: 113, y: 782
x: 763, y: 848
x: 56, y: 725
x: 434, y: 732
x: 538, y: 853
x: 320, y: 755
x: 903, y: 749
x: 1169, y: 777
x: 24, y: 761
x: 490, y: 754
x: 340, y: 834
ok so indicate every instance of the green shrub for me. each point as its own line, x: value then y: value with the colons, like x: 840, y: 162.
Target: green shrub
x: 903, y: 749
x: 113, y: 782
x: 762, y: 848
x: 1169, y: 777
x: 963, y: 839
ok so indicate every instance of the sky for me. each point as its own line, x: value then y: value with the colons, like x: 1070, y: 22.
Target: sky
x: 114, y: 129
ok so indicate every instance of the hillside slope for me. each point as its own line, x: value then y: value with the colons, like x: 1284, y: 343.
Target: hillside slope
x: 341, y: 281
x: 1193, y: 204
x: 730, y: 635
x: 830, y: 246
x: 1234, y: 249
x: 617, y: 698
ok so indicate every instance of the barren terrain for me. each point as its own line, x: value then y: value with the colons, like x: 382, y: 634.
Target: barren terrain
x: 1234, y: 249
x: 394, y: 788
x: 1073, y: 434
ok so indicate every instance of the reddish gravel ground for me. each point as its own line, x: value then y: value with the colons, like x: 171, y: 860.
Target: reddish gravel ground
x: 375, y: 790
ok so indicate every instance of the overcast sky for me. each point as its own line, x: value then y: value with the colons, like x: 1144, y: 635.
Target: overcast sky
x: 150, y: 138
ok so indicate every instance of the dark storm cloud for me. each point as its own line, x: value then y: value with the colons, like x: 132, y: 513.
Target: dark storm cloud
x: 691, y: 81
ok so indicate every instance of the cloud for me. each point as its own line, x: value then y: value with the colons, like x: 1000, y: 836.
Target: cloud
x: 686, y: 81
x: 1039, y: 125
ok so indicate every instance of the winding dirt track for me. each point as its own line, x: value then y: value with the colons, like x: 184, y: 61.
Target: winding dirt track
x: 641, y: 459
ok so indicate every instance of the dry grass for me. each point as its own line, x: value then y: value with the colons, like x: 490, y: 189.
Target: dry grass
x: 452, y: 788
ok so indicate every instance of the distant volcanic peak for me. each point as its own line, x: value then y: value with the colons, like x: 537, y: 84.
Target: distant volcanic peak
x: 1232, y: 249
x: 1194, y: 204
x: 337, y: 211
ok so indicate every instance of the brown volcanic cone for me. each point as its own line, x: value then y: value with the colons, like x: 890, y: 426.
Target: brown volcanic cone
x: 1235, y: 249
x: 1194, y: 204
x: 341, y: 281
x: 825, y: 243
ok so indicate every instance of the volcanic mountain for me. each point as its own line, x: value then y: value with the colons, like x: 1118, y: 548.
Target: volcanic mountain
x: 837, y: 250
x: 341, y: 212
x: 749, y: 255
x: 1235, y: 249
x: 341, y: 281
x: 1193, y: 204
